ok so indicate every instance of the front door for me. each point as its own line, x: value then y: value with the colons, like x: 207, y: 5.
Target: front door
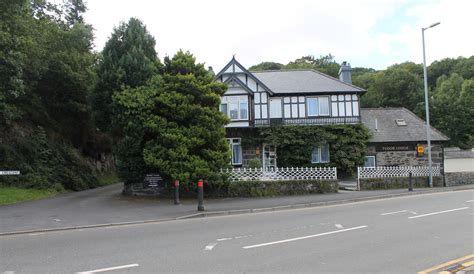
x: 269, y: 157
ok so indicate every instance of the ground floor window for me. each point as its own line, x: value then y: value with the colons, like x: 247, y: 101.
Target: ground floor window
x: 235, y: 146
x: 369, y: 161
x: 320, y: 154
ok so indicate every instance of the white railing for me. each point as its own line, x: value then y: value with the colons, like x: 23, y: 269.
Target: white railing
x: 396, y: 171
x: 282, y: 173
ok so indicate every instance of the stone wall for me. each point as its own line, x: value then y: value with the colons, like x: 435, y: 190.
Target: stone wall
x: 277, y: 188
x: 398, y: 182
x: 406, y: 158
x: 459, y: 178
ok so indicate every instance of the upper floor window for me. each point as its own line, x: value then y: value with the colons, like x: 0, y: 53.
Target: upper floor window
x: 318, y: 106
x: 320, y: 154
x: 235, y: 107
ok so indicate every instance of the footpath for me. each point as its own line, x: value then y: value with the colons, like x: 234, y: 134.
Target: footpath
x: 107, y: 207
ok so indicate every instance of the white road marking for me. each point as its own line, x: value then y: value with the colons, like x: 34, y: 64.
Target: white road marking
x: 339, y: 226
x: 9, y: 272
x: 108, y: 269
x: 439, y: 212
x: 395, y: 212
x: 223, y: 239
x: 470, y: 201
x: 304, y: 237
x: 210, y: 246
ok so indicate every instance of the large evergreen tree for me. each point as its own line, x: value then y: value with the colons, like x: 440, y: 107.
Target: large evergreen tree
x: 174, y: 126
x: 129, y: 59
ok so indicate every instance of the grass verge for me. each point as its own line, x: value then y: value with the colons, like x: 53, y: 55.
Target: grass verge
x: 11, y: 195
x: 108, y: 179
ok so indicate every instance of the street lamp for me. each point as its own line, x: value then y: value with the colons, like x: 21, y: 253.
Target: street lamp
x: 428, y: 128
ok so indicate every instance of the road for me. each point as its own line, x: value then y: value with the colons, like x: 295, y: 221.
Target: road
x: 406, y: 234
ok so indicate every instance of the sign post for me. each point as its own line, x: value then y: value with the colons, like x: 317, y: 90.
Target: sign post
x: 201, y: 195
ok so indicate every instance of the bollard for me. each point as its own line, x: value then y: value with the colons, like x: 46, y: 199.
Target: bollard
x: 410, y: 182
x: 176, y: 192
x: 201, y: 195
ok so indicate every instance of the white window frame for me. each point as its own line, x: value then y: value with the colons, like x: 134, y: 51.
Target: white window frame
x: 239, y: 101
x: 375, y: 163
x: 235, y: 142
x: 319, y: 148
x: 318, y: 102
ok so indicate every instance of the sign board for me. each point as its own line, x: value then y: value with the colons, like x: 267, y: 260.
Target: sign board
x: 394, y: 148
x: 9, y: 172
x: 420, y: 150
x: 153, y: 181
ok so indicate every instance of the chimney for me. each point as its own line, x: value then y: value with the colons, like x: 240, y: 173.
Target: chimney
x: 345, y: 73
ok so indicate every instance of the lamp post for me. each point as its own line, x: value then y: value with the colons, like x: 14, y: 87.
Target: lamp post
x: 428, y: 128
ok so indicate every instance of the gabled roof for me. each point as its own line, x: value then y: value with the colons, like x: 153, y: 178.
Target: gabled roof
x: 233, y: 61
x: 388, y: 130
x: 238, y: 82
x: 303, y: 81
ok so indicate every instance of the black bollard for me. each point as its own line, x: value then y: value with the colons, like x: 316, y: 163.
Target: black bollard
x: 201, y: 195
x: 410, y: 182
x: 176, y: 192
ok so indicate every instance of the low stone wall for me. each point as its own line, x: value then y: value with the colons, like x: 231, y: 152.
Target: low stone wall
x: 398, y: 182
x: 459, y: 178
x: 279, y: 188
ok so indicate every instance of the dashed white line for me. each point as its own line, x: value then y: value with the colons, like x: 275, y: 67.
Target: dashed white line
x: 108, y: 269
x: 210, y: 246
x: 339, y: 226
x: 395, y: 212
x: 223, y: 239
x: 438, y: 212
x: 304, y: 237
x: 470, y: 201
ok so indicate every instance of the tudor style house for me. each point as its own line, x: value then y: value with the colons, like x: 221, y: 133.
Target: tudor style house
x: 284, y: 97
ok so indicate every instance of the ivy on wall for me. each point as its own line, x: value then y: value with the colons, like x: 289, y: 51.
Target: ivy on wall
x: 347, y: 144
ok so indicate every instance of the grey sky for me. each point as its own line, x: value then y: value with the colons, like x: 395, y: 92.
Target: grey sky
x: 367, y: 33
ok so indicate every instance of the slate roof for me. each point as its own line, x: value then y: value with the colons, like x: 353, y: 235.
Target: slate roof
x: 389, y: 131
x: 303, y: 81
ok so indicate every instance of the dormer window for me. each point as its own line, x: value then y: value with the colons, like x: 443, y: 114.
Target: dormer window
x: 401, y: 122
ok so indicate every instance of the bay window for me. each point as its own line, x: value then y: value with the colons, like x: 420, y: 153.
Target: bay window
x: 235, y: 107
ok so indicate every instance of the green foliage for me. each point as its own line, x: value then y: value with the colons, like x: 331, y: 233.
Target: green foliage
x: 129, y: 59
x: 44, y: 164
x: 173, y: 126
x: 254, y: 163
x: 278, y: 188
x: 267, y: 66
x: 452, y: 105
x: 325, y: 64
x: 348, y: 144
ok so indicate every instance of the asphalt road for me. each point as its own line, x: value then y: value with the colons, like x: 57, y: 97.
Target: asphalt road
x: 406, y: 234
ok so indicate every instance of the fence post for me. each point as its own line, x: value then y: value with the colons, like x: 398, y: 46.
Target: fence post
x: 358, y: 178
x: 410, y: 182
x: 176, y: 192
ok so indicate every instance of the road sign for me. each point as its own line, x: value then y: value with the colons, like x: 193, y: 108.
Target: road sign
x: 420, y: 149
x: 9, y: 172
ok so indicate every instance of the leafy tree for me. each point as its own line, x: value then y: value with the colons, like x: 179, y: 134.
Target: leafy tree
x: 129, y: 59
x: 266, y: 66
x: 325, y: 64
x: 175, y: 125
x: 452, y: 108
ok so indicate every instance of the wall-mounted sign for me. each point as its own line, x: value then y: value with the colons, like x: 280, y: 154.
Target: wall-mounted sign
x: 420, y: 150
x: 153, y: 181
x: 394, y: 148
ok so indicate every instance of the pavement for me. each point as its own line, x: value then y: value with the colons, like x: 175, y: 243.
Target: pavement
x: 107, y: 207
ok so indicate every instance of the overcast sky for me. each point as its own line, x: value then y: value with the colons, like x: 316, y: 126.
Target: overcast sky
x: 367, y: 33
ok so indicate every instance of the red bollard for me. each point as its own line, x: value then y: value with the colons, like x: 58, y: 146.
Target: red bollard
x: 201, y: 195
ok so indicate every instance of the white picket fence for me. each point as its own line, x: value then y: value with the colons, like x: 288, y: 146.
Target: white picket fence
x: 282, y: 173
x: 396, y: 171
